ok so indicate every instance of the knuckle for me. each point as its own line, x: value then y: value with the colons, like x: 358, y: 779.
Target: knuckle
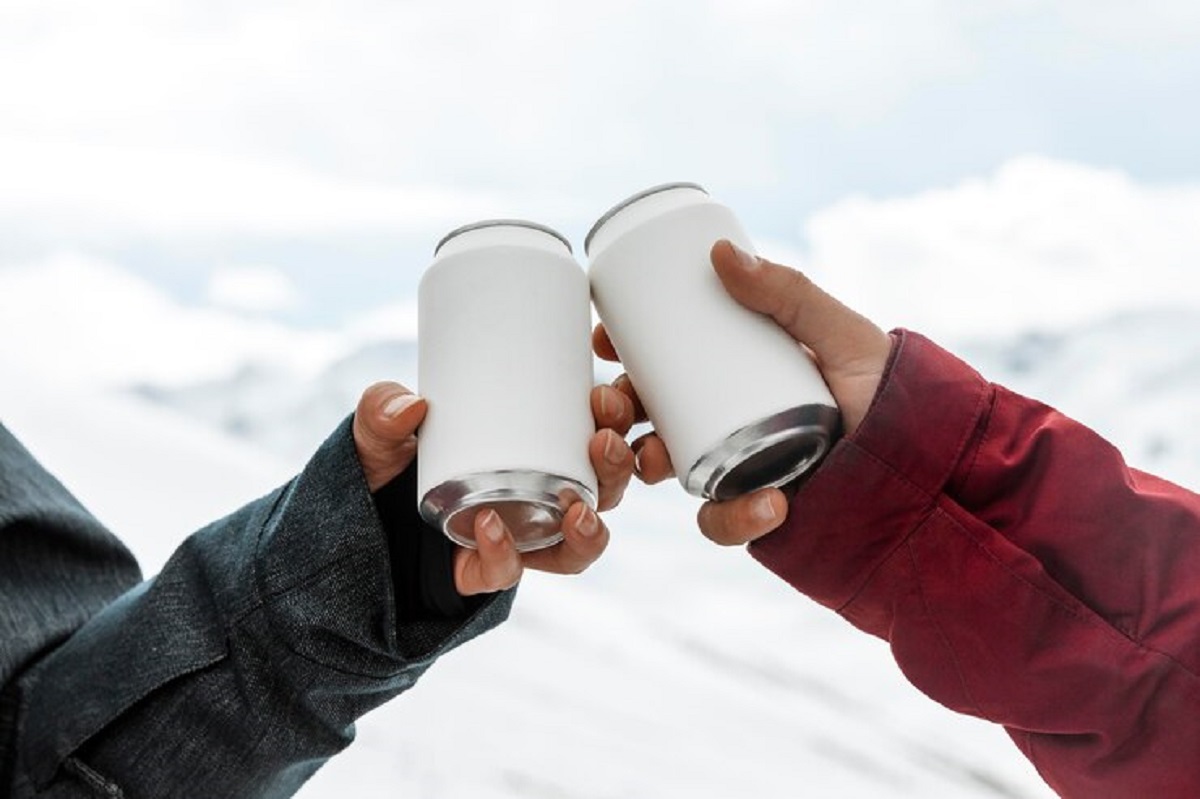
x: 791, y: 297
x: 508, y: 575
x: 709, y: 522
x: 587, y: 552
x: 717, y: 526
x: 617, y: 495
x: 624, y: 385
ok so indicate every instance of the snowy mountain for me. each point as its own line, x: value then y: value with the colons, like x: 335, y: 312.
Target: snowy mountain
x: 605, y: 685
x: 1134, y: 377
x: 282, y: 411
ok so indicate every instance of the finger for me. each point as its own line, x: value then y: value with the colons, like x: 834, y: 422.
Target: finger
x: 836, y: 334
x: 625, y: 386
x: 603, y: 345
x: 494, y: 564
x: 652, y: 462
x: 744, y: 519
x: 612, y: 409
x: 585, y: 538
x: 613, y: 462
x: 385, y: 424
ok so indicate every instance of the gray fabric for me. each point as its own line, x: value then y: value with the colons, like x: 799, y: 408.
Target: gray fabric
x: 236, y: 672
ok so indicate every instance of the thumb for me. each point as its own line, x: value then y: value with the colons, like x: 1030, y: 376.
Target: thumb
x: 837, y: 335
x: 385, y: 426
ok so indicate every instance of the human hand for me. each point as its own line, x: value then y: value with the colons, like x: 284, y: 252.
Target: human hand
x: 850, y: 351
x: 385, y: 425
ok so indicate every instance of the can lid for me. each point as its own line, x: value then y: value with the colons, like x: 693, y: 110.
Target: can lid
x: 628, y: 201
x: 531, y: 503
x: 486, y: 223
x: 768, y: 453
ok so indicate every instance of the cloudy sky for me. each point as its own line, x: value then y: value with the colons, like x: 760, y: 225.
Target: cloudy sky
x: 187, y: 186
x: 205, y: 182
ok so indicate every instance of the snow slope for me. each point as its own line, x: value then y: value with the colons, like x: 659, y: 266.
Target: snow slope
x: 675, y: 669
x: 147, y: 473
x: 671, y: 669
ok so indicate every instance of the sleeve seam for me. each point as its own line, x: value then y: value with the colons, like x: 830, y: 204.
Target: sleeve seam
x: 889, y: 368
x: 982, y: 408
x: 983, y: 400
x: 927, y: 498
x: 265, y: 600
x: 260, y: 592
x: 984, y: 431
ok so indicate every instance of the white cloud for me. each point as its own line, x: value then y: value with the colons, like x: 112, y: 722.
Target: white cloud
x: 233, y: 118
x: 254, y: 289
x: 532, y: 91
x: 1040, y: 244
x: 111, y: 191
x: 837, y: 59
x: 396, y: 320
x: 227, y: 119
x: 1154, y: 24
x: 85, y: 321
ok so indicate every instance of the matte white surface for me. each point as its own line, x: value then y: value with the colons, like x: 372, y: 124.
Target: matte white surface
x: 704, y: 366
x: 504, y: 359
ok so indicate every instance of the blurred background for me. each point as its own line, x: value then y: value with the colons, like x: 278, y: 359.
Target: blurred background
x: 213, y: 218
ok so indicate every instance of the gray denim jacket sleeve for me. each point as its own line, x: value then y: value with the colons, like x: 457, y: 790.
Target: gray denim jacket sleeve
x: 236, y: 672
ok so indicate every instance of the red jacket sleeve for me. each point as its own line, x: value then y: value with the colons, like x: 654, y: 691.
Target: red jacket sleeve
x: 1020, y: 570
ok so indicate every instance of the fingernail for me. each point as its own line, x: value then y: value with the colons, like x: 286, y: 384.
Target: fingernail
x: 396, y: 405
x: 637, y: 460
x: 589, y: 523
x: 763, y: 509
x: 613, y: 451
x: 607, y: 402
x: 492, y: 528
x: 746, y: 260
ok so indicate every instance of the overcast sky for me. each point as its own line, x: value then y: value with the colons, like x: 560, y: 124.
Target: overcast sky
x: 298, y: 160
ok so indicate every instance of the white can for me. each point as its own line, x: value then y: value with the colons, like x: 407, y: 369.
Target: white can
x: 738, y: 404
x: 504, y: 363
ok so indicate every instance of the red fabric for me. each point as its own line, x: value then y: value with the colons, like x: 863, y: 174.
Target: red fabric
x: 1020, y: 570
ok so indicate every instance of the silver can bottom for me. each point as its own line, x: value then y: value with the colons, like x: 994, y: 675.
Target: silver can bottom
x: 531, y: 504
x: 766, y: 454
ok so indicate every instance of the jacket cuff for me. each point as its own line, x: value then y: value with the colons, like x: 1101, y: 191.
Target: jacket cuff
x: 422, y: 556
x: 326, y: 575
x: 878, y: 484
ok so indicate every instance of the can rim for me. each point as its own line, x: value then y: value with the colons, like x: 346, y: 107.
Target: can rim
x: 551, y: 493
x: 486, y: 223
x: 628, y: 201
x: 815, y: 423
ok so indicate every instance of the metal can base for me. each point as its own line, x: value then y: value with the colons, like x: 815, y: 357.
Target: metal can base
x: 531, y: 504
x: 766, y: 454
